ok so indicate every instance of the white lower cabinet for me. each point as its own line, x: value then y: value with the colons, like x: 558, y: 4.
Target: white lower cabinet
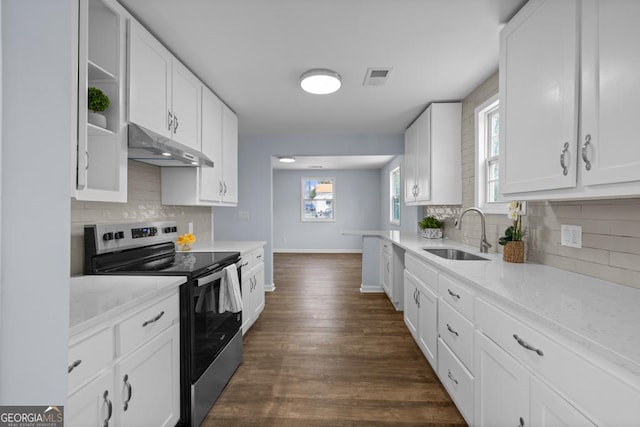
x: 457, y: 379
x: 126, y: 371
x: 507, y: 394
x: 252, y: 287
x: 420, y: 315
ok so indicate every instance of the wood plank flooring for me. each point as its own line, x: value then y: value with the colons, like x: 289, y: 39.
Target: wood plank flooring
x: 324, y: 354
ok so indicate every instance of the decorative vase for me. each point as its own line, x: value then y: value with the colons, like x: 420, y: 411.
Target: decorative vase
x: 97, y: 119
x: 514, y: 251
x: 432, y: 233
x: 185, y: 247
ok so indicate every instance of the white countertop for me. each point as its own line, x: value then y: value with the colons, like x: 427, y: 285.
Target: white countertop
x: 242, y: 246
x: 94, y: 299
x: 601, y: 315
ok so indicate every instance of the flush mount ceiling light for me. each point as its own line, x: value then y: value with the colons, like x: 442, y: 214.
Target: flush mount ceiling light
x: 320, y: 81
x: 287, y: 159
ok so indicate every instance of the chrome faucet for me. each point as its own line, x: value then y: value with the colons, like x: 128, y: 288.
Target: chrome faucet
x: 484, y: 244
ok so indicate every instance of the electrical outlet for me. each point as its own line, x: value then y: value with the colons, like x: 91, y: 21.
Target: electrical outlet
x: 243, y: 215
x: 571, y: 235
x: 190, y: 228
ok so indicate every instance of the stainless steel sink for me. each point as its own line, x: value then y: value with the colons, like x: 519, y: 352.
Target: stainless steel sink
x: 456, y: 254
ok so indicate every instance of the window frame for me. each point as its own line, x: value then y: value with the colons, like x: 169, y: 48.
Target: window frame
x: 303, y: 200
x: 395, y: 171
x: 482, y: 115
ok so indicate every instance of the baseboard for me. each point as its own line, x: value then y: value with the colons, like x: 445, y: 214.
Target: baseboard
x: 270, y: 288
x: 371, y: 289
x: 317, y: 251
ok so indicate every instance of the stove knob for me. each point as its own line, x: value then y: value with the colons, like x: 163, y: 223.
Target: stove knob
x: 107, y: 236
x: 119, y: 235
x: 174, y: 229
x: 167, y: 230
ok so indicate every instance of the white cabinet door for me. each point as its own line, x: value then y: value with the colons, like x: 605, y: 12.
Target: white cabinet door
x: 211, y: 178
x: 538, y: 97
x: 257, y: 295
x: 247, y: 311
x: 549, y: 409
x: 410, y: 153
x: 423, y: 157
x: 93, y: 404
x: 229, y: 155
x: 610, y: 90
x: 411, y: 303
x: 502, y: 387
x: 428, y: 324
x: 185, y: 106
x: 149, y: 81
x: 387, y: 274
x: 148, y: 383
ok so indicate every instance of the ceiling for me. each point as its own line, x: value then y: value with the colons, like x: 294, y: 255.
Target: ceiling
x: 333, y: 162
x: 252, y: 53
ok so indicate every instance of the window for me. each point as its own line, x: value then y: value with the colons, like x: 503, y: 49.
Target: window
x: 394, y: 193
x: 318, y: 199
x: 487, y: 117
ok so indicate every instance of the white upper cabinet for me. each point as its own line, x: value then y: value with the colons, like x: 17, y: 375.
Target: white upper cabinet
x: 433, y: 157
x: 609, y: 152
x: 229, y: 156
x: 539, y: 97
x: 100, y: 152
x: 211, y: 178
x: 164, y: 96
x: 565, y: 69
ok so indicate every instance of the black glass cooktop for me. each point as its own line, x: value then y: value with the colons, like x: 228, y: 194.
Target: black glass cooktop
x: 179, y: 264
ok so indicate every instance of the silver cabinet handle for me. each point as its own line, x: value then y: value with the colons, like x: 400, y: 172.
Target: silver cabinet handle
x: 155, y: 319
x: 565, y: 151
x: 259, y: 256
x: 169, y: 120
x: 225, y: 187
x: 73, y: 366
x: 388, y: 271
x: 453, y: 331
x: 527, y: 345
x: 521, y: 422
x: 451, y: 377
x: 86, y: 166
x: 585, y: 156
x: 175, y: 122
x: 127, y: 384
x: 453, y: 294
x: 106, y: 399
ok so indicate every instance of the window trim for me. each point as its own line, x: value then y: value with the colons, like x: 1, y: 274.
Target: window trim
x: 392, y: 220
x: 481, y: 113
x: 333, y: 199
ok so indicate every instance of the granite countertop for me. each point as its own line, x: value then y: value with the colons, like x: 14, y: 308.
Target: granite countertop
x: 600, y: 315
x: 94, y: 299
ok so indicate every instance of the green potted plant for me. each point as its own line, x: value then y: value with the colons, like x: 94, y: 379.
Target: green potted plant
x: 97, y: 103
x: 431, y: 227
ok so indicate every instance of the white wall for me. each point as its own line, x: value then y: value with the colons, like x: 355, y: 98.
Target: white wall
x: 255, y: 179
x: 356, y: 201
x: 38, y: 101
x: 408, y: 214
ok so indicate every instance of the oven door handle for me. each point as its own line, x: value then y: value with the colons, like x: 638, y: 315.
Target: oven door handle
x: 203, y: 281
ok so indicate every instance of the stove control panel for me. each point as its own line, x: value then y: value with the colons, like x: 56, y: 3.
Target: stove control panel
x: 113, y: 237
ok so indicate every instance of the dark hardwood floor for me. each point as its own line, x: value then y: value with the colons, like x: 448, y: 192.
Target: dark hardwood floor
x: 324, y: 354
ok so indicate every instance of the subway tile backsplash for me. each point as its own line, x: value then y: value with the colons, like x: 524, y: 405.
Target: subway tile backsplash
x: 610, y: 228
x: 143, y: 205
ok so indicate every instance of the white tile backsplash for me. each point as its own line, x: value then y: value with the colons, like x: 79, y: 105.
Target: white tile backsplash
x: 144, y: 203
x: 611, y: 228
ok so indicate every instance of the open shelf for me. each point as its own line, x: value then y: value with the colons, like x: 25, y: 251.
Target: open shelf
x: 94, y: 130
x: 96, y: 72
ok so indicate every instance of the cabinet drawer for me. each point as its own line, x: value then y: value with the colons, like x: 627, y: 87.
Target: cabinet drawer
x: 457, y: 380
x: 457, y: 295
x: 89, y: 356
x: 147, y: 323
x: 251, y: 259
x: 422, y: 271
x: 457, y: 332
x: 581, y: 380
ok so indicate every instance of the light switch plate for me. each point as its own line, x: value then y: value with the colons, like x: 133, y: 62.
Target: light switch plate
x: 243, y: 215
x: 571, y: 235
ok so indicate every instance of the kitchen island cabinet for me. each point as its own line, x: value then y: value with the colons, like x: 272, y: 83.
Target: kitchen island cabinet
x: 124, y: 351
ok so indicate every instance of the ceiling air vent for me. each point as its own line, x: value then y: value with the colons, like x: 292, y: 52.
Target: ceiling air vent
x: 376, y: 76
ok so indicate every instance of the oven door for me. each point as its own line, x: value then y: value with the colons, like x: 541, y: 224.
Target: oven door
x: 210, y: 330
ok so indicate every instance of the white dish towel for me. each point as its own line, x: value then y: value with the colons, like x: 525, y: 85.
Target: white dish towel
x: 230, y: 297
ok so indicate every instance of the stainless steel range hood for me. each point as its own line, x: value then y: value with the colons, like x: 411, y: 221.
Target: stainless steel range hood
x: 149, y: 147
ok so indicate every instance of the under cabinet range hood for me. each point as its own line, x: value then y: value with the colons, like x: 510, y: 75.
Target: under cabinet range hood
x: 149, y: 147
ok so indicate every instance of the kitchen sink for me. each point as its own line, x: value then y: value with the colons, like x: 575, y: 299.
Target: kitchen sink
x: 456, y: 254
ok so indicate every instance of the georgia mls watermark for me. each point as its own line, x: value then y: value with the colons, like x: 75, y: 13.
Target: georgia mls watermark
x: 31, y: 416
